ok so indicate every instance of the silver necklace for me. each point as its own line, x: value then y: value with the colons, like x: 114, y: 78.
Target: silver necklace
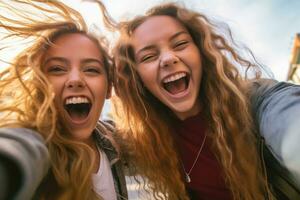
x: 187, y: 174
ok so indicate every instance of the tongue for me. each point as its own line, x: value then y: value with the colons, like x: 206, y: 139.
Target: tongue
x: 78, y: 112
x: 78, y: 116
x: 177, y: 86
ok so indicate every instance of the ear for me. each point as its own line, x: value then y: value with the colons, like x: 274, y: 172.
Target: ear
x: 109, y: 91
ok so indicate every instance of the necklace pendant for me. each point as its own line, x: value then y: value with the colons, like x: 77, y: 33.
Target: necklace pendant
x: 187, y: 178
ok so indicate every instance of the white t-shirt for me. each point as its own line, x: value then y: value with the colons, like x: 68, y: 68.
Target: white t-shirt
x: 103, y: 180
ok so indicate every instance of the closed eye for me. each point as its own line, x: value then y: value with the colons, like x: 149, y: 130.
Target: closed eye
x: 93, y: 70
x: 56, y: 69
x: 148, y: 57
x: 181, y: 44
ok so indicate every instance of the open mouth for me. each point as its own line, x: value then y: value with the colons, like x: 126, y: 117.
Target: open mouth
x: 176, y: 83
x: 78, y: 108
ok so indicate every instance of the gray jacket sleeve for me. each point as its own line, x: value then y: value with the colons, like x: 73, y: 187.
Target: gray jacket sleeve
x: 26, y: 149
x: 277, y: 109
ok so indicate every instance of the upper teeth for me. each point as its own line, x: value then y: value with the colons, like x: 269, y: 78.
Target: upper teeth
x: 174, y: 77
x: 75, y: 100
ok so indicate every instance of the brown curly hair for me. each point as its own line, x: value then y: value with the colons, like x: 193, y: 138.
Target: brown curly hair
x: 147, y: 124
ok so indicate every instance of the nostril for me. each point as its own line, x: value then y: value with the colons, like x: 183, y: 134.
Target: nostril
x: 169, y: 62
x: 168, y: 59
x: 75, y: 84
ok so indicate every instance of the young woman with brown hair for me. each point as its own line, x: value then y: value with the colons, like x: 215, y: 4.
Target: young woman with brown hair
x: 187, y: 110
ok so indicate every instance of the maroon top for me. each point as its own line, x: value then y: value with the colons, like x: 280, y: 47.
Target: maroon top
x: 207, y: 181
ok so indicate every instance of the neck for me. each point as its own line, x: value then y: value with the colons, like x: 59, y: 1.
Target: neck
x: 192, y: 112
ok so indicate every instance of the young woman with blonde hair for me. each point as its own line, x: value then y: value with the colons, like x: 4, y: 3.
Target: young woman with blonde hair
x: 188, y: 112
x: 57, y: 87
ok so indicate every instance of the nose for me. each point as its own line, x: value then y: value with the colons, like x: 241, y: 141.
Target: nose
x: 75, y: 80
x: 168, y: 59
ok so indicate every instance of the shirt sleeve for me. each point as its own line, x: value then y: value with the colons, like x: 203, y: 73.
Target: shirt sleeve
x: 27, y: 151
x: 277, y: 110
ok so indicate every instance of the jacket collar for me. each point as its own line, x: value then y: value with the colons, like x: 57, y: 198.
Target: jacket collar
x: 105, y: 144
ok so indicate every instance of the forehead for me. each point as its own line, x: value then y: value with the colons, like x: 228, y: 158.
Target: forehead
x: 74, y: 45
x: 156, y: 28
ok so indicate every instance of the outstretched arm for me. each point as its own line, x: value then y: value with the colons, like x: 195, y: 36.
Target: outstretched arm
x: 24, y: 161
x: 278, y: 116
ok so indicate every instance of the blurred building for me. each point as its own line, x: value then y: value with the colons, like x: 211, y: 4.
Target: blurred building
x: 294, y: 71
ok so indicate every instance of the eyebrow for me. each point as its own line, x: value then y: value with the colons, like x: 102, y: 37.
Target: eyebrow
x: 60, y: 59
x: 64, y: 60
x: 89, y: 60
x: 177, y: 34
x: 152, y: 46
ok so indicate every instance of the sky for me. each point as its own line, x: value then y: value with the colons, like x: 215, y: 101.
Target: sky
x: 267, y: 27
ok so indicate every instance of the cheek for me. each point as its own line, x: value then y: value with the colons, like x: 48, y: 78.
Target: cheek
x: 194, y: 62
x: 57, y: 85
x: 193, y: 56
x: 99, y: 88
x: 147, y: 75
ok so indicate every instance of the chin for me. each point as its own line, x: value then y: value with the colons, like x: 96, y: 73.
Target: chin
x: 185, y: 111
x: 81, y: 134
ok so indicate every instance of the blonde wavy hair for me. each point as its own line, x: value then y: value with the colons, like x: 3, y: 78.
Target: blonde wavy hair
x: 147, y: 124
x: 27, y: 96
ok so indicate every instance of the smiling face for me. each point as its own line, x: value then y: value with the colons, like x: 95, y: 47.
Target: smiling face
x: 74, y: 67
x: 169, y: 63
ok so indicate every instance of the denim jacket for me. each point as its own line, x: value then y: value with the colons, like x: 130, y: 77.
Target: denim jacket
x: 276, y: 109
x: 27, y: 150
x: 114, y: 159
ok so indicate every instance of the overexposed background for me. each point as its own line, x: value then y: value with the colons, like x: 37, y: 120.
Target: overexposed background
x: 267, y: 27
